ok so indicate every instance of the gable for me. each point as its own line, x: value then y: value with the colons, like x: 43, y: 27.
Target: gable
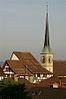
x: 7, y: 69
x: 14, y: 57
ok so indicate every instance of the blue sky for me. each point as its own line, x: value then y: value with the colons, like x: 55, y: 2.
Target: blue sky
x: 22, y: 26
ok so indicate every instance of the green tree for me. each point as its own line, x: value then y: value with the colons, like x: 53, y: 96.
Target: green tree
x: 9, y: 89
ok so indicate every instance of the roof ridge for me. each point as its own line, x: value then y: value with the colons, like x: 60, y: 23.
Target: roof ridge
x: 20, y: 52
x: 59, y: 60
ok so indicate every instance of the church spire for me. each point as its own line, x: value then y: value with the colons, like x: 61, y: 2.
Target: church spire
x: 46, y: 43
x: 46, y: 48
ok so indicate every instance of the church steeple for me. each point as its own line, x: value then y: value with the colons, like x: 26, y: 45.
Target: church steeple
x: 46, y: 47
x: 46, y: 55
x: 46, y: 43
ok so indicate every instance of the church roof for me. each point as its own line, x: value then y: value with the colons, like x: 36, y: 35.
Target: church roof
x: 59, y: 67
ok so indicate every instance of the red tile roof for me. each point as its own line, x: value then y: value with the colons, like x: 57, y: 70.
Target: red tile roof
x: 51, y: 80
x: 25, y: 56
x: 17, y: 67
x: 30, y: 62
x: 59, y: 67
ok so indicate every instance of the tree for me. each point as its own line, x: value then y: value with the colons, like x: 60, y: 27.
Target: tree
x: 9, y: 89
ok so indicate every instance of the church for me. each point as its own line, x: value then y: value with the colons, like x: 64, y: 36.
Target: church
x: 57, y: 67
x: 24, y: 65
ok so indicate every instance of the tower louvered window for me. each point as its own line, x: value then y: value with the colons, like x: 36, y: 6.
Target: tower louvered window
x: 43, y: 60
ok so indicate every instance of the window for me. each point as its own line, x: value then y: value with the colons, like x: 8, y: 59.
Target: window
x: 43, y: 59
x: 49, y: 59
x: 38, y: 75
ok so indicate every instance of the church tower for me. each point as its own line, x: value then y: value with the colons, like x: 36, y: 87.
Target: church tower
x: 46, y: 55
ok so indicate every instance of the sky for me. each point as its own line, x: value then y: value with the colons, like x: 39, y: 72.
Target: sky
x: 22, y: 27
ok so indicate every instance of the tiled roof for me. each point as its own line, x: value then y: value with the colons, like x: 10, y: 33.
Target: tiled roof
x: 51, y: 80
x: 34, y: 68
x: 17, y: 67
x: 25, y: 56
x: 59, y: 67
x: 30, y: 62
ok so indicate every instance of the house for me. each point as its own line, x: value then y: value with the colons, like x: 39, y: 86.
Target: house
x: 24, y: 65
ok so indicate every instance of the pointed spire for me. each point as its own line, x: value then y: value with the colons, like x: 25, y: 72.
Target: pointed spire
x: 46, y: 43
x: 46, y: 48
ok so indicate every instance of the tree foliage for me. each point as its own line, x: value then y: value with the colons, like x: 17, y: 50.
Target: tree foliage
x: 9, y: 89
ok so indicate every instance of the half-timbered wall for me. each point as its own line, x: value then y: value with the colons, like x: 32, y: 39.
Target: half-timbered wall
x: 40, y: 77
x: 7, y: 71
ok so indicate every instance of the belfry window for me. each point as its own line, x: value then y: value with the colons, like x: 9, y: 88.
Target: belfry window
x: 43, y: 60
x: 49, y: 59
